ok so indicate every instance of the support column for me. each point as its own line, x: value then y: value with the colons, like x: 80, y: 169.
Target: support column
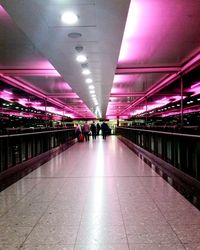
x: 181, y: 101
x: 45, y: 102
x: 146, y: 118
x: 117, y: 121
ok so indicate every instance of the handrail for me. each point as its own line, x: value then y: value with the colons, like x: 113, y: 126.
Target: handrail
x: 160, y: 132
x: 35, y: 133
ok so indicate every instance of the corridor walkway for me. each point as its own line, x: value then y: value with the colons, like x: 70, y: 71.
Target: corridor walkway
x: 96, y: 195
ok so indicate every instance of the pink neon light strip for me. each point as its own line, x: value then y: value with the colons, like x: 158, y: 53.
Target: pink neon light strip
x: 195, y: 85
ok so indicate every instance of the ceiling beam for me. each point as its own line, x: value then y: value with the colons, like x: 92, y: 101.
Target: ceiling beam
x: 61, y: 95
x: 29, y: 72
x: 127, y: 94
x: 145, y: 94
x: 142, y: 70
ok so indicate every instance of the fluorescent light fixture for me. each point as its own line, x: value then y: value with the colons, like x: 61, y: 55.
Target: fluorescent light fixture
x: 81, y: 58
x: 93, y: 95
x: 92, y: 91
x: 7, y: 92
x: 91, y: 87
x: 195, y: 85
x: 86, y: 72
x: 88, y: 80
x: 69, y: 18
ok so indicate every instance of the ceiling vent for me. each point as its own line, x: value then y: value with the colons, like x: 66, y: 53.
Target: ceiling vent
x: 74, y: 35
x: 79, y: 48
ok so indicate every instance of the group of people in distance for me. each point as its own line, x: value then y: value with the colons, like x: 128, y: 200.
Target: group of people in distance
x: 93, y: 128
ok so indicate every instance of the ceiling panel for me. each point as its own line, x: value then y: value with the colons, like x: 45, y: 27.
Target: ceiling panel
x: 157, y: 29
x: 49, y: 84
x: 125, y: 84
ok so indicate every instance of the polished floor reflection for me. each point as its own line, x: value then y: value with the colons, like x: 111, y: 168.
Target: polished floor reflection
x: 96, y: 195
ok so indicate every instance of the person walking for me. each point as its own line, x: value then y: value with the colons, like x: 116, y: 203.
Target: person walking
x: 94, y: 130
x: 78, y: 130
x: 104, y: 129
x: 98, y: 128
x: 86, y: 130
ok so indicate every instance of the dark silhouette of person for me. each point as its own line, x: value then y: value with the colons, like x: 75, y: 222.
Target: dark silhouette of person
x: 104, y: 128
x: 86, y: 130
x: 78, y: 130
x: 98, y: 128
x: 94, y: 130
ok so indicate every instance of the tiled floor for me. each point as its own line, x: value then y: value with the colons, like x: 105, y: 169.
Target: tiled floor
x: 96, y: 195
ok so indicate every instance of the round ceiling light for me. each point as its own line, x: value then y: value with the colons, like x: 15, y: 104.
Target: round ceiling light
x: 74, y: 35
x: 81, y: 58
x: 86, y: 72
x: 91, y: 87
x: 88, y: 80
x: 69, y: 18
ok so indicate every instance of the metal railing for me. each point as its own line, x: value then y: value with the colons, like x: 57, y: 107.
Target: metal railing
x: 182, y: 151
x: 20, y: 147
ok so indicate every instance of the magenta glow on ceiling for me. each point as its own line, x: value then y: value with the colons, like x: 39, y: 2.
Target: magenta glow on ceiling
x: 156, y: 104
x: 195, y: 88
x: 28, y: 89
x: 131, y: 28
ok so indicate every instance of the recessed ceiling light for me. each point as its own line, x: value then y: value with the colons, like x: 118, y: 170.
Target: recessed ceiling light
x: 88, y: 80
x: 86, y: 72
x: 91, y: 87
x: 93, y: 95
x: 69, y: 18
x: 81, y: 58
x: 92, y: 91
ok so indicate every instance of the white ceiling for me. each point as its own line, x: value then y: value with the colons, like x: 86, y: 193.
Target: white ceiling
x: 37, y: 32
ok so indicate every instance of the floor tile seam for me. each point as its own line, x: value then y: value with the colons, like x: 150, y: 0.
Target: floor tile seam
x: 164, y: 216
x: 79, y: 226
x: 160, y: 209
x: 93, y: 177
x: 127, y: 241
x: 72, y: 177
x: 37, y: 222
x: 18, y: 200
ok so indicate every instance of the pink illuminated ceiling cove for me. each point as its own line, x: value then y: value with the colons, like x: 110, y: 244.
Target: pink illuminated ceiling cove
x: 61, y: 108
x: 154, y: 34
x: 157, y: 104
x: 10, y: 77
x: 3, y: 15
x: 9, y: 96
x: 157, y: 44
x: 195, y: 88
x: 132, y: 27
